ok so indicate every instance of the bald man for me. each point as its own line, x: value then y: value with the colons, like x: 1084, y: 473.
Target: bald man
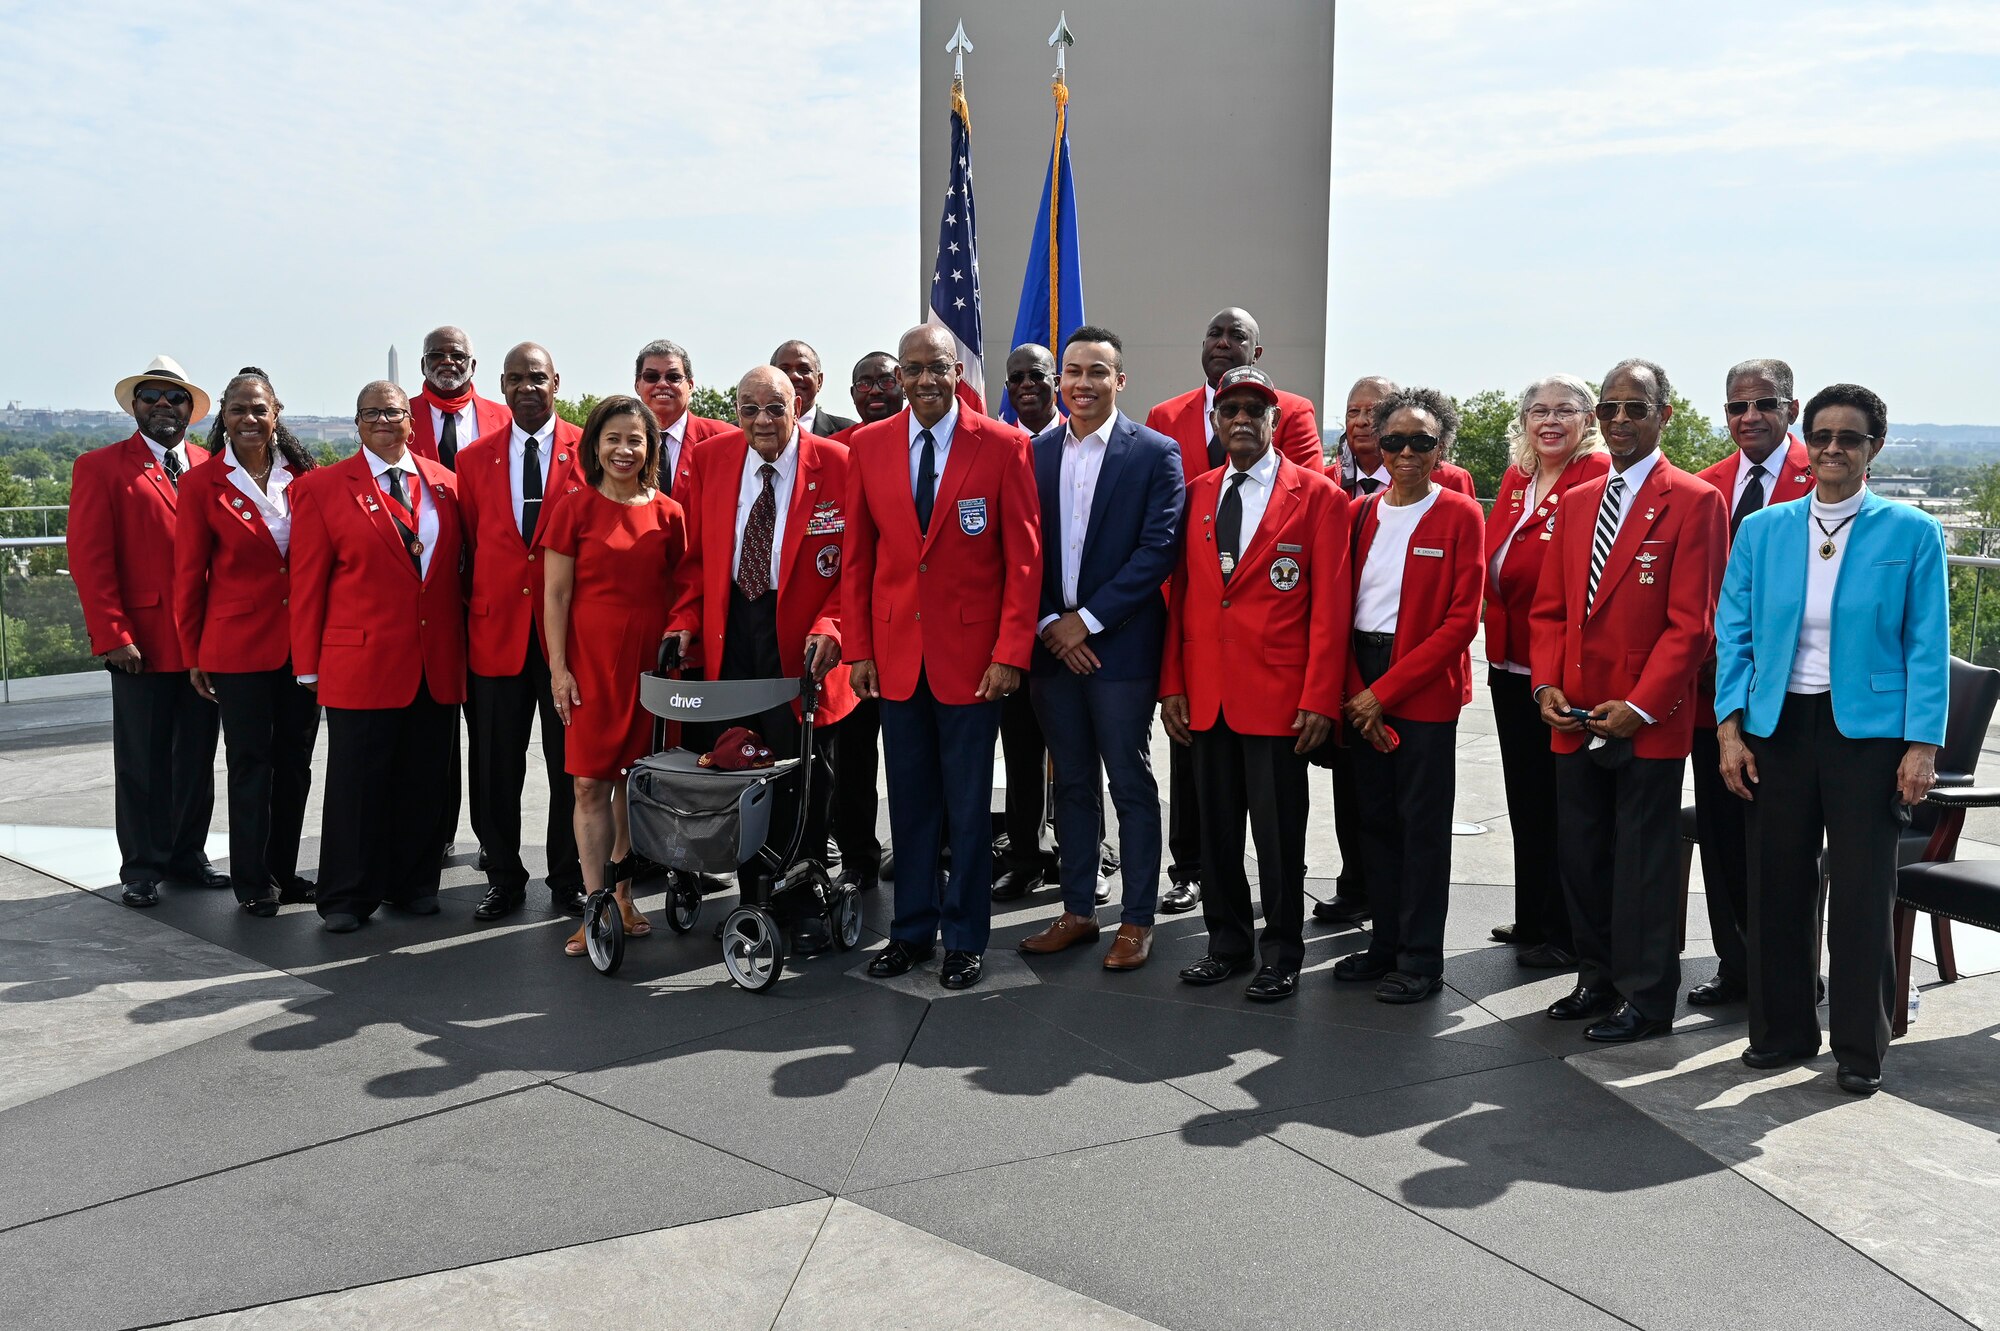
x: 800, y: 364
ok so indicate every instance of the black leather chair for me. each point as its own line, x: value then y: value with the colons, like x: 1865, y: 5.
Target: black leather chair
x: 1945, y: 888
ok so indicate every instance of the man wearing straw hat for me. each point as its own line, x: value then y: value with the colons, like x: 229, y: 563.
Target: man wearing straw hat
x: 121, y: 557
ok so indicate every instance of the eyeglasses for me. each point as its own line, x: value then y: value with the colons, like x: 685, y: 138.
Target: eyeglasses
x: 173, y: 397
x: 1851, y: 440
x: 390, y: 414
x: 1396, y: 443
x: 1564, y: 414
x: 938, y: 368
x: 1019, y: 377
x: 750, y: 411
x: 1761, y: 404
x: 1255, y: 409
x: 1638, y: 411
x: 674, y: 377
x: 878, y: 382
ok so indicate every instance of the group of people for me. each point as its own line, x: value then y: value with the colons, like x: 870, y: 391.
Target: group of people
x: 960, y: 583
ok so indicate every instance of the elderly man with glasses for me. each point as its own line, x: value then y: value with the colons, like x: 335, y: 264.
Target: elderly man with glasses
x: 1622, y: 621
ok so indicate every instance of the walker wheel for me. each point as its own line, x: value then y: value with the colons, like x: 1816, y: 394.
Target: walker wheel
x: 753, y: 948
x: 847, y: 918
x: 604, y: 932
x: 683, y: 902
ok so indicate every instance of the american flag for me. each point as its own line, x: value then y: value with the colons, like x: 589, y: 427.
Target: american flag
x: 955, y: 275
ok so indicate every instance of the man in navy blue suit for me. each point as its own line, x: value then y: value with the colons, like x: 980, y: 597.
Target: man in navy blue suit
x: 1111, y: 493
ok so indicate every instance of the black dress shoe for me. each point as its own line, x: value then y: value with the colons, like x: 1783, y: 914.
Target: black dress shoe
x: 339, y: 922
x: 1402, y: 987
x: 1271, y: 985
x: 1103, y: 889
x: 1340, y: 910
x: 263, y: 908
x: 1361, y: 966
x: 210, y: 877
x: 1545, y: 957
x: 899, y: 958
x: 1213, y: 969
x: 860, y: 879
x: 1718, y: 991
x: 1761, y: 1059
x: 1506, y: 933
x: 1180, y: 897
x: 1014, y: 884
x: 1626, y: 1025
x: 418, y: 905
x: 1857, y: 1083
x: 499, y: 902
x: 960, y: 970
x: 484, y: 861
x: 141, y: 894
x: 1583, y: 1002
x: 298, y: 892
x: 568, y: 902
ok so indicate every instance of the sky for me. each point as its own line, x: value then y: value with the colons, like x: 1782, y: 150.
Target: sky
x: 1519, y: 187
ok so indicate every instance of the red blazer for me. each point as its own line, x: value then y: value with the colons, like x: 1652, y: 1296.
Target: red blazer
x: 1430, y: 667
x: 698, y: 429
x: 809, y: 564
x: 1793, y: 481
x: 1184, y: 419
x: 1453, y: 477
x: 1509, y: 596
x: 506, y: 583
x: 1653, y: 623
x: 361, y: 619
x: 121, y: 550
x: 1251, y: 651
x: 490, y: 415
x: 976, y: 577
x: 232, y: 588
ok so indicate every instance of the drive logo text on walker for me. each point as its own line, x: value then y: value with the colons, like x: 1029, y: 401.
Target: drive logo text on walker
x: 679, y: 700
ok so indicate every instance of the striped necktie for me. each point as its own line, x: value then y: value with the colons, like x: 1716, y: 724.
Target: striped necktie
x: 1607, y: 531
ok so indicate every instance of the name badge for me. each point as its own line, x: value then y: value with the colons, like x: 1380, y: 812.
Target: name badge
x: 1284, y: 549
x: 1427, y: 552
x: 972, y: 516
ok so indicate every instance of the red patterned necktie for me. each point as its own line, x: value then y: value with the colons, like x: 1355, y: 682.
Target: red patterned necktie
x: 753, y: 570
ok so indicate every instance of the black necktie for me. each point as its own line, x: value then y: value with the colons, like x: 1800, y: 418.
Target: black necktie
x: 531, y: 488
x: 1369, y: 485
x: 667, y: 465
x: 1217, y: 454
x: 926, y: 482
x: 1229, y: 523
x: 173, y: 466
x: 395, y: 478
x: 448, y: 442
x: 1750, y: 501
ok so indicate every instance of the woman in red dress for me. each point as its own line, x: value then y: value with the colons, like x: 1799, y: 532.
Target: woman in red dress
x: 612, y: 548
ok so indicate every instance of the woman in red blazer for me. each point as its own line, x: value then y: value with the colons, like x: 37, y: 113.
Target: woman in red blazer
x: 1556, y: 446
x: 232, y: 592
x: 1417, y: 585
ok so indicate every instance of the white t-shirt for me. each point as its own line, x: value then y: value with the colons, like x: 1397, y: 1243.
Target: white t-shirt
x: 1380, y: 595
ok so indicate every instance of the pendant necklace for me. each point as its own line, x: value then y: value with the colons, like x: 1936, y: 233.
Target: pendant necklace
x: 1827, y: 549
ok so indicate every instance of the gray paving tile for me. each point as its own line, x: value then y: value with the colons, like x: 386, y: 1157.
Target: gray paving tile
x: 326, y: 1070
x: 797, y: 1092
x: 490, y: 1180
x: 1652, y: 1228
x: 985, y: 1081
x: 1222, y: 1230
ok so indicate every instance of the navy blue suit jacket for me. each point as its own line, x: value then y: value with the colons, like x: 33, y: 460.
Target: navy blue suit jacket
x: 1131, y: 544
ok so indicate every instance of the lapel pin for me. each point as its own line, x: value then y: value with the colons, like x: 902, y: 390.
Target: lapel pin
x: 237, y: 502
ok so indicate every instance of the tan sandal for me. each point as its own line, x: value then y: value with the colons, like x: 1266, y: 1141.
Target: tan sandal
x: 636, y: 925
x: 576, y: 946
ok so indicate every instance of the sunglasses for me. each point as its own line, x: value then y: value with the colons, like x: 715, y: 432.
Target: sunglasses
x: 1255, y: 410
x: 659, y: 376
x: 1760, y: 404
x: 1019, y: 377
x: 1638, y: 411
x: 1396, y: 443
x: 1851, y: 440
x: 750, y: 411
x: 173, y: 397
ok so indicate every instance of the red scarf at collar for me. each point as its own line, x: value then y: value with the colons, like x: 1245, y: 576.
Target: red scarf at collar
x: 451, y: 405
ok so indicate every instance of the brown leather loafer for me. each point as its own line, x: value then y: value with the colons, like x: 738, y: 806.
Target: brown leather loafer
x: 1068, y: 931
x: 1130, y: 948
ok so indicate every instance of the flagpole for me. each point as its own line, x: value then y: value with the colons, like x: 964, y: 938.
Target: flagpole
x: 1061, y: 40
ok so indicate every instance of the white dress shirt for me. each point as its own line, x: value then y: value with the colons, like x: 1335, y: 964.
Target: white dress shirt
x: 1767, y: 480
x: 1208, y: 416
x: 160, y: 454
x: 1380, y: 476
x: 413, y: 486
x: 1635, y: 476
x: 273, y: 505
x: 1254, y: 493
x: 1378, y: 600
x: 1812, y: 660
x: 1082, y: 463
x: 752, y: 485
x: 467, y: 417
x: 517, y: 453
x: 670, y: 444
x: 941, y: 434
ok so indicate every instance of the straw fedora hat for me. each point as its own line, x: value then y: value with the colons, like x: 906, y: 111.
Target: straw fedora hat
x: 164, y: 369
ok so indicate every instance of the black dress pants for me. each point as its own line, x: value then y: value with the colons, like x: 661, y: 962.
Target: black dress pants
x: 750, y: 651
x: 853, y: 795
x: 1027, y: 759
x: 1620, y: 869
x: 1257, y: 777
x: 385, y: 787
x: 1403, y: 817
x: 1813, y: 781
x: 163, y: 757
x: 1183, y: 817
x: 1352, y: 884
x: 1528, y: 766
x: 1722, y: 825
x: 503, y: 710
x: 269, y: 726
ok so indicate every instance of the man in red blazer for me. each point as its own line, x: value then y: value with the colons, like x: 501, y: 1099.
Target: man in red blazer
x: 1623, y: 618
x: 1768, y: 467
x: 760, y: 583
x: 1253, y: 675
x: 448, y: 414
x: 944, y: 569
x: 121, y: 557
x: 504, y: 480
x: 663, y: 379
x: 378, y: 628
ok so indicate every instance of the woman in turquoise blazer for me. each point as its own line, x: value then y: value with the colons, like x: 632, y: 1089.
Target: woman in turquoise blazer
x: 1833, y: 667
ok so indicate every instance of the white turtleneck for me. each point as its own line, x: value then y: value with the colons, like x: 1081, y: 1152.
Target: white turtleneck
x: 1812, y: 659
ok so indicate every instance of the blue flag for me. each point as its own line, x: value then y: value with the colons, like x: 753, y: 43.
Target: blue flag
x: 1052, y: 288
x: 955, y: 273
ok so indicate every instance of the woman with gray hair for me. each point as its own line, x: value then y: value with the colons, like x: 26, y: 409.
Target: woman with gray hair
x: 1555, y: 445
